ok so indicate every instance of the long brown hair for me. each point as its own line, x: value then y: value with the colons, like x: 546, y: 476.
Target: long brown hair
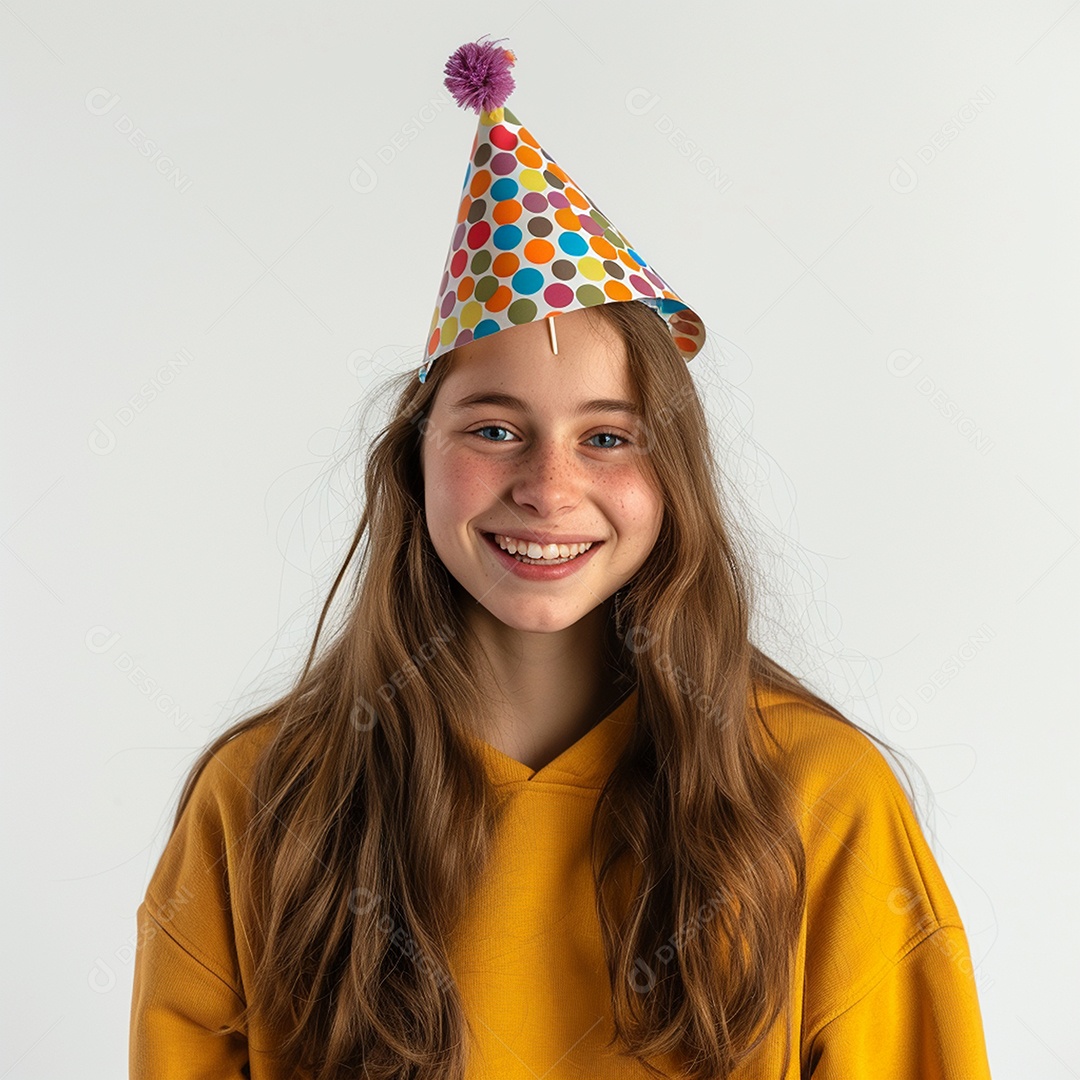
x: 360, y: 792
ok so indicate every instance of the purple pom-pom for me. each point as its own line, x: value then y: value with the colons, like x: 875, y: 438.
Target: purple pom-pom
x: 478, y: 75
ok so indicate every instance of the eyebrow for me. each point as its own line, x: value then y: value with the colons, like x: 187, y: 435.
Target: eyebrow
x: 508, y: 401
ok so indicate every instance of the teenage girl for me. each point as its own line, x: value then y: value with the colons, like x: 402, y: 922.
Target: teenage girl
x: 538, y: 807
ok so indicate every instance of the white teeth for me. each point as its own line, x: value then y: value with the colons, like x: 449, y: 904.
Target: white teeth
x: 532, y: 550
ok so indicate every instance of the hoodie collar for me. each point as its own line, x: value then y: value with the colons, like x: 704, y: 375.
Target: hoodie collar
x: 585, y: 764
x: 589, y: 761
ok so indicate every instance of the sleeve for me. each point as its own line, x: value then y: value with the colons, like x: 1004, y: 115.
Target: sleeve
x: 921, y: 1021
x: 187, y: 975
x: 178, y: 1003
x: 889, y: 985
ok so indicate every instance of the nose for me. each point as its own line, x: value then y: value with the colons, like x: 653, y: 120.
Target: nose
x: 549, y: 478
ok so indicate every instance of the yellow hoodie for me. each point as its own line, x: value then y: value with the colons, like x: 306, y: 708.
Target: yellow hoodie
x: 884, y: 986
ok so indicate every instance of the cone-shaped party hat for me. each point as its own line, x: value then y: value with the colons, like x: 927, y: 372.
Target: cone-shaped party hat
x: 528, y: 243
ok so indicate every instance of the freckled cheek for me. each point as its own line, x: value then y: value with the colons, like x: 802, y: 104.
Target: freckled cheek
x: 638, y: 505
x: 459, y: 489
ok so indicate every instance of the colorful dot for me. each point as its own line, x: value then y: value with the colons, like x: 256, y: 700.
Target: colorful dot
x: 613, y: 236
x: 471, y: 314
x: 482, y: 154
x: 576, y: 198
x: 459, y: 235
x: 616, y: 290
x: 457, y: 263
x: 529, y: 157
x: 552, y: 179
x: 501, y: 164
x: 479, y: 183
x: 540, y: 226
x: 480, y: 261
x: 573, y: 244
x: 433, y: 342
x: 642, y: 285
x: 485, y: 288
x: 531, y: 179
x: 589, y: 295
x: 503, y: 138
x: 655, y: 278
x: 634, y: 255
x: 614, y: 269
x: 463, y: 339
x: 563, y: 269
x: 629, y: 260
x: 535, y: 203
x: 600, y: 219
x: 505, y: 264
x: 528, y: 281
x: 449, y: 331
x: 589, y: 225
x: 567, y: 219
x: 591, y: 268
x: 444, y: 281
x: 525, y: 135
x: 556, y: 169
x: 477, y: 210
x: 483, y: 329
x: 448, y: 303
x: 507, y: 211
x: 465, y: 288
x: 558, y: 295
x: 507, y: 237
x: 557, y: 199
x: 539, y: 251
x: 521, y: 311
x: 504, y: 189
x: 500, y: 298
x: 602, y: 248
x: 479, y: 233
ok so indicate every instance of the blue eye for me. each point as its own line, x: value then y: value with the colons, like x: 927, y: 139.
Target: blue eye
x: 598, y: 435
x: 489, y: 427
x: 608, y: 434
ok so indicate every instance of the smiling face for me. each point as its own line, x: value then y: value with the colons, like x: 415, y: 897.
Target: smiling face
x: 548, y: 466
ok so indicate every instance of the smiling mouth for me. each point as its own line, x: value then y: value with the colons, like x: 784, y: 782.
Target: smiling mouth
x: 555, y: 560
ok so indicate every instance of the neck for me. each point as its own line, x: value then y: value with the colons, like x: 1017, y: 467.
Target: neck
x: 545, y: 690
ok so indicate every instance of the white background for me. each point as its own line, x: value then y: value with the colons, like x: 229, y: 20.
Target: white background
x: 874, y: 209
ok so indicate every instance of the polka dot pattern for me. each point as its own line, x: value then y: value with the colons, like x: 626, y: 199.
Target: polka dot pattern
x: 528, y: 242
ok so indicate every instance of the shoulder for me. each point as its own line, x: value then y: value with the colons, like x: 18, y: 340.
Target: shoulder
x: 841, y: 783
x: 823, y: 759
x: 220, y: 792
x: 188, y: 897
x: 226, y: 777
x: 874, y: 887
x: 201, y: 846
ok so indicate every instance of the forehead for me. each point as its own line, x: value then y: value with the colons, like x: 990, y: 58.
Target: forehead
x: 501, y: 399
x: 590, y: 367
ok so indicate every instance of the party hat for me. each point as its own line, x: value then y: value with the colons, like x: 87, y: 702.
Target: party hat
x: 528, y: 243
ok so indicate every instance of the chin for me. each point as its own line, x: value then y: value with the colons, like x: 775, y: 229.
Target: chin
x: 533, y: 619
